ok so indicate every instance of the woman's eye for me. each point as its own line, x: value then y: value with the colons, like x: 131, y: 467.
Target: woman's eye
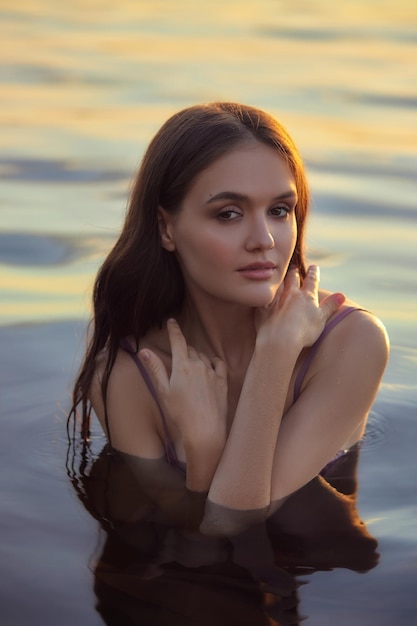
x: 227, y: 215
x: 280, y: 211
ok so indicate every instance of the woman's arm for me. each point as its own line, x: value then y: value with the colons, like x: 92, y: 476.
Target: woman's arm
x: 280, y: 456
x: 268, y: 457
x: 133, y: 418
x: 295, y: 320
x: 334, y: 403
x: 194, y: 397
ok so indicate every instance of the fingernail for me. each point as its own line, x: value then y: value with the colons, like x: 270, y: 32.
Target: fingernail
x: 144, y: 354
x: 315, y: 269
x: 171, y: 320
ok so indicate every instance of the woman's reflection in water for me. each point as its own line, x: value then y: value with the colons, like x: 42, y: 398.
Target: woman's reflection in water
x: 156, y: 568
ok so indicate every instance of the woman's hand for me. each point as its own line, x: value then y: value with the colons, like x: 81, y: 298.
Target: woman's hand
x: 296, y: 313
x: 194, y: 396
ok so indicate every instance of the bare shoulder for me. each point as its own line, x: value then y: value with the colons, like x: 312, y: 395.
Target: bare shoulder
x: 344, y: 377
x: 364, y: 331
x: 355, y: 351
x: 361, y: 329
x: 132, y: 413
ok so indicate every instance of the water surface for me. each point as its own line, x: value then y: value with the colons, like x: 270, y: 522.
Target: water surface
x: 83, y: 87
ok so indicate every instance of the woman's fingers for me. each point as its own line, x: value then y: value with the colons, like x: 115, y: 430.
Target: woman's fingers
x: 192, y: 353
x: 179, y: 348
x: 292, y: 279
x: 180, y: 351
x: 155, y: 368
x: 219, y: 367
x: 203, y: 357
x: 312, y: 279
x: 331, y: 304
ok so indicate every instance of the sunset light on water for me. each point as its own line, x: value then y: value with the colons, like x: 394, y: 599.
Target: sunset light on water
x: 83, y: 88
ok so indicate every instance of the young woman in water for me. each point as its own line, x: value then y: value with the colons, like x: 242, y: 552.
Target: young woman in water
x: 215, y: 354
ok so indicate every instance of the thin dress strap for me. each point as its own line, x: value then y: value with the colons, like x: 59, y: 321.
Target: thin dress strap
x: 169, y: 446
x: 304, y: 367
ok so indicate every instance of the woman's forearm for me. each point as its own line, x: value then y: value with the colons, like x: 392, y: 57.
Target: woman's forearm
x: 293, y: 321
x: 202, y: 461
x: 242, y: 480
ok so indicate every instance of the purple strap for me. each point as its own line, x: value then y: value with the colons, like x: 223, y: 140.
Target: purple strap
x: 169, y: 446
x: 303, y: 369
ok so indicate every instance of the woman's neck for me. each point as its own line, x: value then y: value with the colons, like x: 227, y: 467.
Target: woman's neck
x: 218, y: 329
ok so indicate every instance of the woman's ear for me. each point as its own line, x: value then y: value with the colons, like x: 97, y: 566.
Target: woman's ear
x: 165, y: 225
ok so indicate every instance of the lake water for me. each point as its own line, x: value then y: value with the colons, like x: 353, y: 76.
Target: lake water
x: 83, y: 87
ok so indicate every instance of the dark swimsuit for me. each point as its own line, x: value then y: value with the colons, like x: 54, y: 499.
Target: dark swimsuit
x: 169, y: 446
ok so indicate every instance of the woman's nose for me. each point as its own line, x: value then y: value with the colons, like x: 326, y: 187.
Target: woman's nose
x: 259, y: 236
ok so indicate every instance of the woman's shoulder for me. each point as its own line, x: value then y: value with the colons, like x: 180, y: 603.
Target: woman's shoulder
x: 352, y: 348
x: 128, y: 362
x: 361, y: 331
x: 132, y: 414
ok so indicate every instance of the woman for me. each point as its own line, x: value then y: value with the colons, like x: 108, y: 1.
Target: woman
x: 213, y: 346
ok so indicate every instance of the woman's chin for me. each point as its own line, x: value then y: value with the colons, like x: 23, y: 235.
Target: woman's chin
x: 263, y: 300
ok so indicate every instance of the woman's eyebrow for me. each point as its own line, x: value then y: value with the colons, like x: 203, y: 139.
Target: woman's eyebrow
x: 233, y: 195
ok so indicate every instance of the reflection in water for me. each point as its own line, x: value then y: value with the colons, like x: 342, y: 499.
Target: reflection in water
x: 155, y: 567
x: 53, y: 171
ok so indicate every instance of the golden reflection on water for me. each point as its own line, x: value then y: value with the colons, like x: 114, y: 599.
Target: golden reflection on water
x: 38, y: 295
x: 91, y: 82
x: 83, y: 56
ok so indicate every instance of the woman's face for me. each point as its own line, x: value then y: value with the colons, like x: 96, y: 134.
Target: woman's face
x: 235, y: 232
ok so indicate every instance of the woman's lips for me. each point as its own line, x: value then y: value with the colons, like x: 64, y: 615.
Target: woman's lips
x: 258, y: 271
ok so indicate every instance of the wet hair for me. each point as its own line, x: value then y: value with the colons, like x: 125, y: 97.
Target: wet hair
x: 140, y: 284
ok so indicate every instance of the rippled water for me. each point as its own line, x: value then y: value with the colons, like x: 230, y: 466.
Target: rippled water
x: 83, y: 87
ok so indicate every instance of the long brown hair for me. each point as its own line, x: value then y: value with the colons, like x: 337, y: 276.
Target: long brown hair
x: 140, y: 284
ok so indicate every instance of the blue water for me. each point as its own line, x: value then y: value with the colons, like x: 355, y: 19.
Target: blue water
x: 83, y: 88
